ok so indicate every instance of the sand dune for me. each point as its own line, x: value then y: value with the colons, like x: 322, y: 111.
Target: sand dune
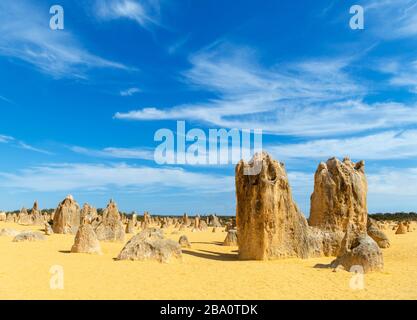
x: 208, y: 270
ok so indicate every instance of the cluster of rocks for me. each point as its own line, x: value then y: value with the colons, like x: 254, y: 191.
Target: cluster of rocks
x: 270, y: 225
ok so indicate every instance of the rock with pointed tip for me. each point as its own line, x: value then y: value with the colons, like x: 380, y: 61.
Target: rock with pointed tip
x: 67, y: 216
x: 86, y: 240
x: 269, y: 223
x: 231, y: 238
x: 339, y: 197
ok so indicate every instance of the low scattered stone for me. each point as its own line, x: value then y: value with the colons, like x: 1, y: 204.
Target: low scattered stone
x: 363, y: 251
x: 8, y: 232
x: 150, y: 244
x: 183, y: 241
x: 28, y: 236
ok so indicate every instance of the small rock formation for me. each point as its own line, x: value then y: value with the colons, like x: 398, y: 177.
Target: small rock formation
x: 183, y: 241
x: 269, y: 223
x: 203, y: 225
x: 36, y: 215
x: 147, y: 218
x: 3, y: 216
x: 67, y: 216
x: 111, y: 227
x: 130, y: 227
x: 375, y: 233
x: 401, y: 229
x: 214, y: 221
x: 28, y: 236
x: 150, y: 244
x: 48, y: 229
x: 88, y: 213
x: 185, y: 220
x: 86, y: 240
x: 359, y: 250
x: 24, y: 218
x: 8, y: 232
x: 11, y: 217
x: 231, y: 238
x: 339, y: 197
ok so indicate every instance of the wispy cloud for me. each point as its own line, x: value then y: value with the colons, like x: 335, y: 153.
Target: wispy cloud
x: 380, y: 146
x: 307, y: 98
x: 129, y: 92
x: 21, y: 144
x: 27, y: 37
x: 118, y: 153
x: 391, y: 19
x: 6, y: 139
x: 6, y: 100
x: 143, y: 12
x: 78, y: 176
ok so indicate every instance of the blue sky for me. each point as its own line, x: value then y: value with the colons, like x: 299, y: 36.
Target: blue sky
x: 79, y: 107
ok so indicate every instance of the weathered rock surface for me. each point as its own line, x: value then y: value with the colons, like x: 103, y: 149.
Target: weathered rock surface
x: 150, y: 245
x: 28, y: 236
x: 375, y: 233
x: 339, y: 197
x: 86, y: 240
x: 8, y: 232
x: 24, y: 218
x: 67, y: 216
x: 48, y: 229
x: 214, y: 221
x: 111, y: 227
x: 3, y: 216
x: 130, y: 227
x: 36, y: 215
x: 231, y: 238
x: 88, y: 213
x: 11, y: 217
x: 269, y: 223
x: 360, y: 250
x: 401, y: 229
x: 183, y: 241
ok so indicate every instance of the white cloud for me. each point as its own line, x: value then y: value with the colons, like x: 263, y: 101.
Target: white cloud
x: 21, y: 144
x: 26, y: 36
x: 391, y: 19
x: 5, y: 139
x: 143, y: 12
x: 78, y: 176
x: 379, y: 146
x: 118, y: 153
x: 389, y: 189
x: 309, y: 98
x: 6, y: 100
x: 129, y: 92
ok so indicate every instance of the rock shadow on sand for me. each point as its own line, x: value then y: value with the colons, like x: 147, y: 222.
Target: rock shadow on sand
x: 212, y: 255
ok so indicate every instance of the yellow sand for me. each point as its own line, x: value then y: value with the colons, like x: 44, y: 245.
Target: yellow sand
x: 207, y: 271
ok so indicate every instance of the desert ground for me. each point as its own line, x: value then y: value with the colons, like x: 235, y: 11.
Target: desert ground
x: 208, y: 270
